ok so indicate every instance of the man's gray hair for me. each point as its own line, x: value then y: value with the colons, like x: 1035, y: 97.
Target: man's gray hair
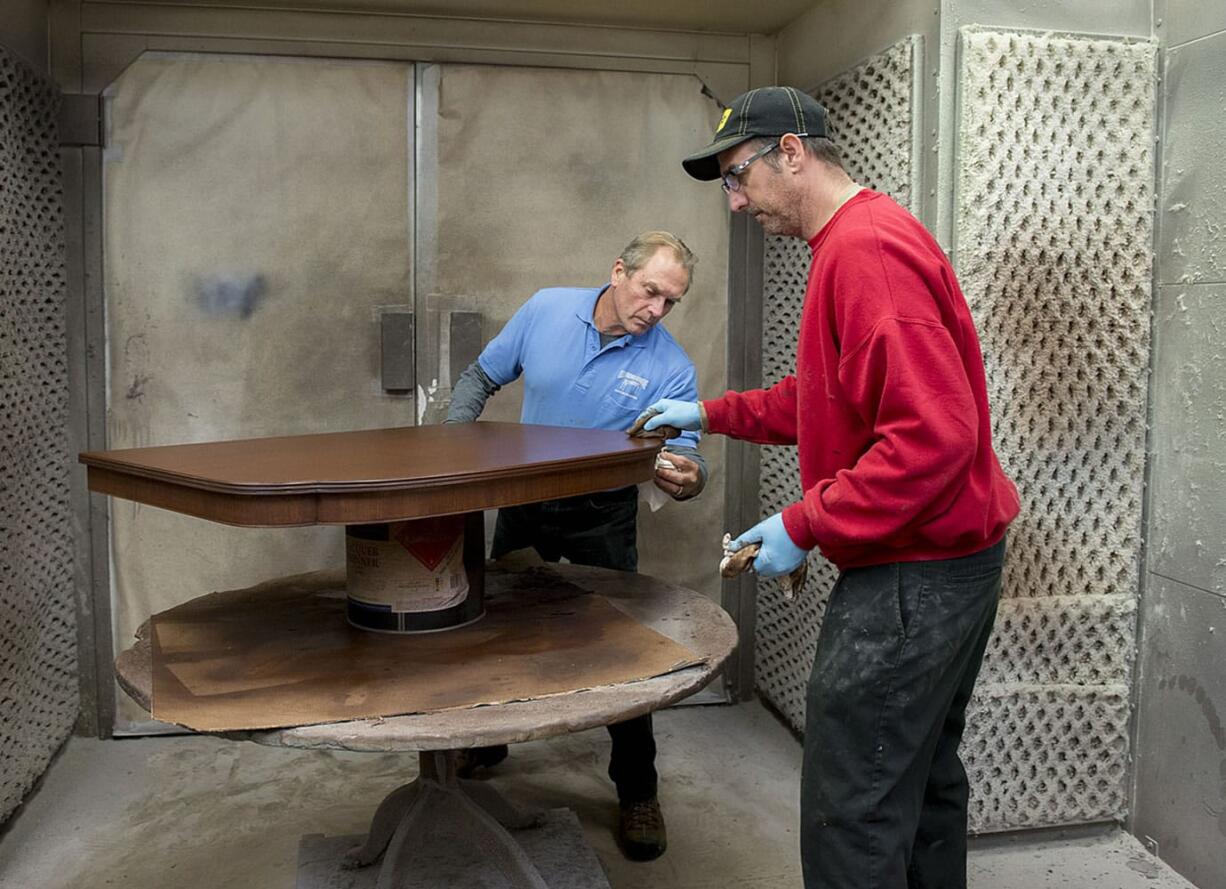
x: 639, y: 251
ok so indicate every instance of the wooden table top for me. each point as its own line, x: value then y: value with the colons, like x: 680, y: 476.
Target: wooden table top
x: 375, y: 475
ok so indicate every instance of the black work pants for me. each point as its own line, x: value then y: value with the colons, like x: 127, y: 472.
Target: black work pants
x: 883, y: 792
x: 597, y: 530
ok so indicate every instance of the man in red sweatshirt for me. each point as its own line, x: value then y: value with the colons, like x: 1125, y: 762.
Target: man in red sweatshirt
x: 902, y: 492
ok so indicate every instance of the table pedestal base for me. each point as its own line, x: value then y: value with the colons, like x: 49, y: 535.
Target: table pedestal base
x: 438, y: 799
x: 443, y: 830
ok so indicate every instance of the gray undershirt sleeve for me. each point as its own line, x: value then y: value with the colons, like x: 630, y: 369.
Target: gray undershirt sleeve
x: 469, y: 395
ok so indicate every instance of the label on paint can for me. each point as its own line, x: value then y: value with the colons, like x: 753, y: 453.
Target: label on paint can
x: 412, y: 567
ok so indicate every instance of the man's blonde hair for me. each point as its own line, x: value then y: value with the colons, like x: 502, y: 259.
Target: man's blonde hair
x: 644, y: 246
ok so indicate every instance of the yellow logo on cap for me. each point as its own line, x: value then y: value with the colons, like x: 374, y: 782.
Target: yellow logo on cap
x: 723, y: 120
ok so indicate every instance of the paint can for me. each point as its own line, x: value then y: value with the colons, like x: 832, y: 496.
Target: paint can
x: 414, y: 576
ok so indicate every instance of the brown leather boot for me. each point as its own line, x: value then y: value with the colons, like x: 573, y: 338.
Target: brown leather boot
x: 640, y: 830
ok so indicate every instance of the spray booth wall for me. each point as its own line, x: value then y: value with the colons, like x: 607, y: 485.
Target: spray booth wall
x: 38, y: 646
x: 1053, y: 248
x: 261, y: 215
x: 1181, y: 738
x: 1062, y: 321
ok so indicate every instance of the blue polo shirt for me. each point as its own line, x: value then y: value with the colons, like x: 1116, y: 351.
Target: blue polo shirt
x: 571, y: 380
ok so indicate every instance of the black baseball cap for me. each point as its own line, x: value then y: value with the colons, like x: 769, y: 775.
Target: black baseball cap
x: 767, y: 111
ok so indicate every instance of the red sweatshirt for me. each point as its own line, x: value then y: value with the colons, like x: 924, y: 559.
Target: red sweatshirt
x: 888, y: 405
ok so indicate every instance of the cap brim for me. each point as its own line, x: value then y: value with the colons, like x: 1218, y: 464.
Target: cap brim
x: 704, y: 165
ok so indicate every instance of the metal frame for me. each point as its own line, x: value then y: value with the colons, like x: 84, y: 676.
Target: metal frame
x: 742, y: 460
x: 1145, y: 556
x: 425, y: 229
x: 86, y: 331
x: 112, y: 34
x: 93, y: 41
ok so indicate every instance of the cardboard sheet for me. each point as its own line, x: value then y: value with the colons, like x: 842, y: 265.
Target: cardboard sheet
x: 284, y: 655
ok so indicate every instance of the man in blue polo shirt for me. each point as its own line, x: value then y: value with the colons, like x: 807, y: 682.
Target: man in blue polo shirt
x: 595, y: 358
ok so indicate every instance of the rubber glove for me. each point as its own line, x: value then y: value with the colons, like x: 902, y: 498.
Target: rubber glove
x: 779, y: 555
x: 669, y: 412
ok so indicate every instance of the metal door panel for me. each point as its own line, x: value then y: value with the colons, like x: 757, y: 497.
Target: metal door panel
x: 257, y: 224
x: 534, y: 177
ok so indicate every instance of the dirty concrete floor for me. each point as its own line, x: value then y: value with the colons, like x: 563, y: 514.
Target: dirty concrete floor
x: 195, y: 812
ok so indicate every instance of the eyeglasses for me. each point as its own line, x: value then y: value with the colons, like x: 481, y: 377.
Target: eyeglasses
x: 730, y: 181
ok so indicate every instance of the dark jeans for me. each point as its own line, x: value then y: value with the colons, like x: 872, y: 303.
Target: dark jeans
x: 597, y: 530
x: 883, y: 792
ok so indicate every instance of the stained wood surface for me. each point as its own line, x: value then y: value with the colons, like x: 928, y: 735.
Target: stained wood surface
x: 682, y: 615
x: 374, y: 475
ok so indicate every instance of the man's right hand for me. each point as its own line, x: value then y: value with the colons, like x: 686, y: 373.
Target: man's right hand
x: 684, y: 415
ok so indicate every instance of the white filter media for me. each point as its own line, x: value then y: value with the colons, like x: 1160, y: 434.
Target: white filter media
x: 1054, y: 249
x: 38, y: 643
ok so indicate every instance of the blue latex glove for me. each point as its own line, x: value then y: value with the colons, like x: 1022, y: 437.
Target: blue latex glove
x: 779, y: 555
x: 670, y: 412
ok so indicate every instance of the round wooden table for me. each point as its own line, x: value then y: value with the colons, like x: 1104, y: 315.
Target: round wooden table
x: 479, y: 813
x: 376, y: 477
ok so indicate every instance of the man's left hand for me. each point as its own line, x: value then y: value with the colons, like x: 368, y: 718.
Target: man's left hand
x: 683, y: 415
x: 682, y: 482
x: 779, y: 555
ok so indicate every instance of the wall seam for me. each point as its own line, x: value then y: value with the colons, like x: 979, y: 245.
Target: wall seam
x: 1218, y: 33
x: 1215, y: 593
x: 405, y: 14
x: 1139, y: 635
